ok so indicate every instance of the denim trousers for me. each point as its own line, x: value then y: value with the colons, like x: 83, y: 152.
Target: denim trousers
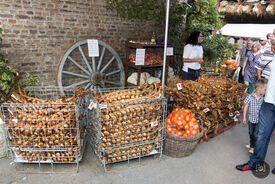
x: 266, y: 127
x: 190, y: 76
x: 253, y: 132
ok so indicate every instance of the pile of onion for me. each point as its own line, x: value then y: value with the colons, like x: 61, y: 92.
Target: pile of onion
x: 182, y: 122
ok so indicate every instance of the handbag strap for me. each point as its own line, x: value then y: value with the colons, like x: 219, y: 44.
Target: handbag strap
x: 266, y: 65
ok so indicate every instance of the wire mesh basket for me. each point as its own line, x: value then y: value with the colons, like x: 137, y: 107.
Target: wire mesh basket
x: 126, y: 130
x: 45, y: 129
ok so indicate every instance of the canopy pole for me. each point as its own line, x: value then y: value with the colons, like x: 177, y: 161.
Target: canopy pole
x: 165, y: 45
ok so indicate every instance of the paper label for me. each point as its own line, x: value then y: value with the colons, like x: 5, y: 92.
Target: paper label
x: 159, y: 95
x: 13, y: 96
x: 92, y: 105
x: 170, y: 51
x: 103, y: 106
x: 153, y: 124
x: 1, y: 121
x: 206, y: 110
x: 140, y: 56
x: 93, y: 50
x: 179, y: 86
x: 228, y: 99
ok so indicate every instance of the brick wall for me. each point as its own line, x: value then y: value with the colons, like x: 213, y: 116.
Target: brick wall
x: 36, y: 33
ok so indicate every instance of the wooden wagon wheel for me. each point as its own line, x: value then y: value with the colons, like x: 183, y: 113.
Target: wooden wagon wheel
x: 76, y: 68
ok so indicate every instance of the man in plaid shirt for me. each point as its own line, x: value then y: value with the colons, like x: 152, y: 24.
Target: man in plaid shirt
x: 253, y: 103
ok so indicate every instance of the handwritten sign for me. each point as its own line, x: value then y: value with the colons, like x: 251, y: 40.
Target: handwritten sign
x: 93, y: 50
x: 170, y: 51
x: 140, y: 56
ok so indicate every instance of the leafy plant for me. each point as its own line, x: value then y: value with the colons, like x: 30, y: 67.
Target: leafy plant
x: 217, y: 50
x: 203, y: 16
x: 9, y: 78
x: 28, y: 80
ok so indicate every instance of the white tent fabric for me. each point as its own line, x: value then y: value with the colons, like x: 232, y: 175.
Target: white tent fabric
x: 247, y: 30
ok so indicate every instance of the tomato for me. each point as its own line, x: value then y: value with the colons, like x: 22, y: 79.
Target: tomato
x: 180, y: 123
x: 194, y: 120
x: 186, y: 127
x: 187, y: 118
x: 196, y: 127
x: 174, y: 131
x: 179, y: 133
x: 168, y: 121
x: 168, y: 129
x: 192, y: 115
x: 194, y: 132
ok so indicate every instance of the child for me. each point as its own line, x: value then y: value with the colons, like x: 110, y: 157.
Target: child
x: 253, y: 103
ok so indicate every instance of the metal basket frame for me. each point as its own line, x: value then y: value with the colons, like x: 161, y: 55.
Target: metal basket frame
x: 97, y: 119
x: 67, y: 119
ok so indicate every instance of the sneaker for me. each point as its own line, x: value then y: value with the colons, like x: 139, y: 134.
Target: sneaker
x: 244, y: 167
x: 247, y: 146
x: 251, y: 151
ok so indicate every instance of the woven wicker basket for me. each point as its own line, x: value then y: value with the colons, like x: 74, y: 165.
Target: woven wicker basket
x: 176, y: 146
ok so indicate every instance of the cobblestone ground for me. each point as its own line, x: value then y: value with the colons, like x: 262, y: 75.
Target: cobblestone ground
x: 213, y: 162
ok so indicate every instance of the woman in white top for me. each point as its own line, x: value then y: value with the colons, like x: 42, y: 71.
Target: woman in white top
x: 192, y: 56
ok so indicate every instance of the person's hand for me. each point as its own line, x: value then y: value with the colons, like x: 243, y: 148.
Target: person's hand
x: 243, y: 73
x: 201, y: 61
x: 244, y: 120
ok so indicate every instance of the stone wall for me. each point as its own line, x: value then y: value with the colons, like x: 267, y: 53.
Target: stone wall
x: 36, y: 33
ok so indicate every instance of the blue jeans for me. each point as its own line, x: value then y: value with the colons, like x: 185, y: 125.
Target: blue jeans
x: 266, y: 127
x: 190, y: 75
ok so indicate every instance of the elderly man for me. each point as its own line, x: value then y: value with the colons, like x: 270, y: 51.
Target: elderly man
x: 266, y: 122
x: 263, y: 65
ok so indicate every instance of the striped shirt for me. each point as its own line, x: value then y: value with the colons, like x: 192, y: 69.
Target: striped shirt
x: 254, y: 106
x: 263, y: 61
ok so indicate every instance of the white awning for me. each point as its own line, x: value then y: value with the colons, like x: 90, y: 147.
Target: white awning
x: 247, y: 30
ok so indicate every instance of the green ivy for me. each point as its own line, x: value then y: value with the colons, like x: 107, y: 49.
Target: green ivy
x: 9, y: 77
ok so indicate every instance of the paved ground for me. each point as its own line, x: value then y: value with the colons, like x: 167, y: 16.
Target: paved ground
x: 213, y: 162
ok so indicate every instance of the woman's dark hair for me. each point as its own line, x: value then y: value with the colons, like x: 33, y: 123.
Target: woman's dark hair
x: 193, y: 38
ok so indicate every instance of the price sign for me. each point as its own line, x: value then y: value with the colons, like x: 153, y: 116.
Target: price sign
x: 179, y: 86
x: 206, y: 110
x: 93, y: 50
x: 170, y: 51
x: 103, y: 106
x: 92, y: 105
x: 153, y: 124
x: 140, y: 56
